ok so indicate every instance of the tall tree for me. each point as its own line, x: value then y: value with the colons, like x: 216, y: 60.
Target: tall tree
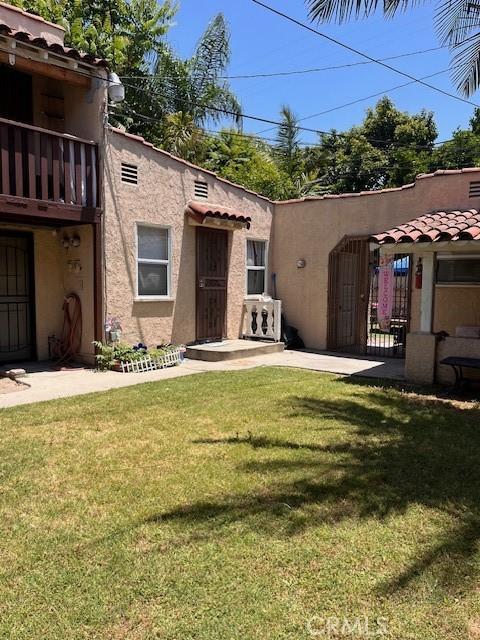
x: 388, y: 149
x: 288, y: 143
x: 192, y: 88
x: 247, y: 161
x: 457, y: 24
x: 127, y: 33
x: 463, y: 150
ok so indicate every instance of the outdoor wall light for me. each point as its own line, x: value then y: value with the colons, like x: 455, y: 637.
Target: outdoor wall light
x: 301, y: 264
x: 73, y: 241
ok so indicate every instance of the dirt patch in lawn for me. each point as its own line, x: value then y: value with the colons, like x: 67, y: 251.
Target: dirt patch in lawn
x: 7, y: 385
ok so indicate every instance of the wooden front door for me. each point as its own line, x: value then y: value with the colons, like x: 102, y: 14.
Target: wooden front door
x: 212, y: 271
x: 348, y: 296
x: 16, y: 297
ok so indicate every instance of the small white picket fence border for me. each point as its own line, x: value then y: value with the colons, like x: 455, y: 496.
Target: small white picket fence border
x: 150, y: 363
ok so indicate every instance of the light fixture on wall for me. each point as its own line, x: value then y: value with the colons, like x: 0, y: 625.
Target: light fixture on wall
x: 301, y: 263
x: 70, y: 241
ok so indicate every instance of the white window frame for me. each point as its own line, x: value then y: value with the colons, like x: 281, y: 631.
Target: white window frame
x: 168, y: 262
x: 256, y: 296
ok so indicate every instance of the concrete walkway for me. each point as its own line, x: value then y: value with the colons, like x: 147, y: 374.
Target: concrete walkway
x: 46, y: 384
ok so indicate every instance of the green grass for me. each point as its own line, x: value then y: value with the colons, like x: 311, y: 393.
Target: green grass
x: 240, y: 506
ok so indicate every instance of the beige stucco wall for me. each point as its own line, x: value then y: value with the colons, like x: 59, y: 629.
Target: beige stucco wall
x: 455, y: 307
x: 82, y: 109
x: 53, y: 280
x: 311, y: 229
x: 165, y: 186
x: 22, y: 21
x: 420, y: 358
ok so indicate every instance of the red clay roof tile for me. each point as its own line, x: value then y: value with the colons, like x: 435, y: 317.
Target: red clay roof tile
x: 25, y: 36
x: 202, y: 210
x: 435, y: 227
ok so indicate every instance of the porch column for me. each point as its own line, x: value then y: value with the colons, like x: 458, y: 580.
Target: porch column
x: 98, y: 310
x: 421, y: 346
x: 426, y: 302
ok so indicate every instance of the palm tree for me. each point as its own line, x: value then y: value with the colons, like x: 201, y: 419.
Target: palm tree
x: 288, y: 143
x: 195, y: 86
x: 457, y: 25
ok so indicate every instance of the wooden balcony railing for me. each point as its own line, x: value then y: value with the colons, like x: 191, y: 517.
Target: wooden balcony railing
x: 43, y: 165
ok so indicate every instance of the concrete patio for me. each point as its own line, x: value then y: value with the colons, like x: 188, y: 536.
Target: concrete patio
x: 44, y: 383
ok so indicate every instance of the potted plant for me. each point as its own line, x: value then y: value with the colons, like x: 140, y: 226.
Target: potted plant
x: 113, y: 329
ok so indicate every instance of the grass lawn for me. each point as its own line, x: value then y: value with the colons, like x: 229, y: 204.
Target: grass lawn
x: 259, y: 504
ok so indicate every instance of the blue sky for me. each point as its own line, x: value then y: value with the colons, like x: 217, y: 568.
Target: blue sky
x: 262, y: 42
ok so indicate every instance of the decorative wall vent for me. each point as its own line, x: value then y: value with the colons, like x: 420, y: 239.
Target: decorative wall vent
x: 129, y: 173
x: 474, y: 189
x: 201, y: 189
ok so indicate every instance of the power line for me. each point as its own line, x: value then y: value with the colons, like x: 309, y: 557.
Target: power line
x: 192, y: 103
x: 358, y: 100
x: 389, y: 148
x: 361, y: 53
x: 311, y: 70
x: 276, y: 123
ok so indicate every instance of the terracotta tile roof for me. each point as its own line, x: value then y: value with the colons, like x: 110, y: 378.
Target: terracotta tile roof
x: 54, y: 47
x: 437, y: 226
x: 202, y: 210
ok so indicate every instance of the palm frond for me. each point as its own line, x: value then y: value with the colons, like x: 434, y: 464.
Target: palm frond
x: 344, y: 10
x: 212, y: 53
x: 466, y: 65
x: 455, y: 20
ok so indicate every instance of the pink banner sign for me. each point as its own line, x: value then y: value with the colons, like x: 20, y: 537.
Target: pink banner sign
x: 386, y: 282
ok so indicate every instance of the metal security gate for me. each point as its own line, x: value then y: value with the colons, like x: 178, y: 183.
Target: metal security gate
x: 16, y: 297
x: 348, y: 296
x: 212, y: 273
x: 353, y: 301
x: 391, y: 343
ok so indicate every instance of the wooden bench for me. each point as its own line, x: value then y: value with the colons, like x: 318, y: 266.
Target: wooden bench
x: 459, y: 365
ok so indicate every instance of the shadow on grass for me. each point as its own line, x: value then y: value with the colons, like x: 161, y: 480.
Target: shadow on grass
x: 398, y: 451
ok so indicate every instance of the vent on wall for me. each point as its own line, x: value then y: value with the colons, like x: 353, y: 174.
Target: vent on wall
x: 474, y: 190
x: 129, y: 173
x: 201, y: 189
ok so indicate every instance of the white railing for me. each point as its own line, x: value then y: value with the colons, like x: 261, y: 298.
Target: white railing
x: 262, y: 319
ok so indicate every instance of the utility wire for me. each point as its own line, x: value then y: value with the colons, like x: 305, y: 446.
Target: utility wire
x: 258, y: 118
x: 293, y: 20
x: 276, y: 123
x: 312, y: 70
x: 391, y: 145
x: 352, y: 102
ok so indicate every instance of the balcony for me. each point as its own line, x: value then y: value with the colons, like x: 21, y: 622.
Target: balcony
x: 47, y: 174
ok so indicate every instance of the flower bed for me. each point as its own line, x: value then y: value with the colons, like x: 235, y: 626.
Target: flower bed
x: 126, y: 359
x: 150, y: 363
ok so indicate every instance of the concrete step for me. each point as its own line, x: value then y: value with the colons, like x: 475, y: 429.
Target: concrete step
x: 232, y: 350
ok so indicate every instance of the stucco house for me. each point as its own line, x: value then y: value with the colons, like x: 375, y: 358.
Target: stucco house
x: 101, y: 217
